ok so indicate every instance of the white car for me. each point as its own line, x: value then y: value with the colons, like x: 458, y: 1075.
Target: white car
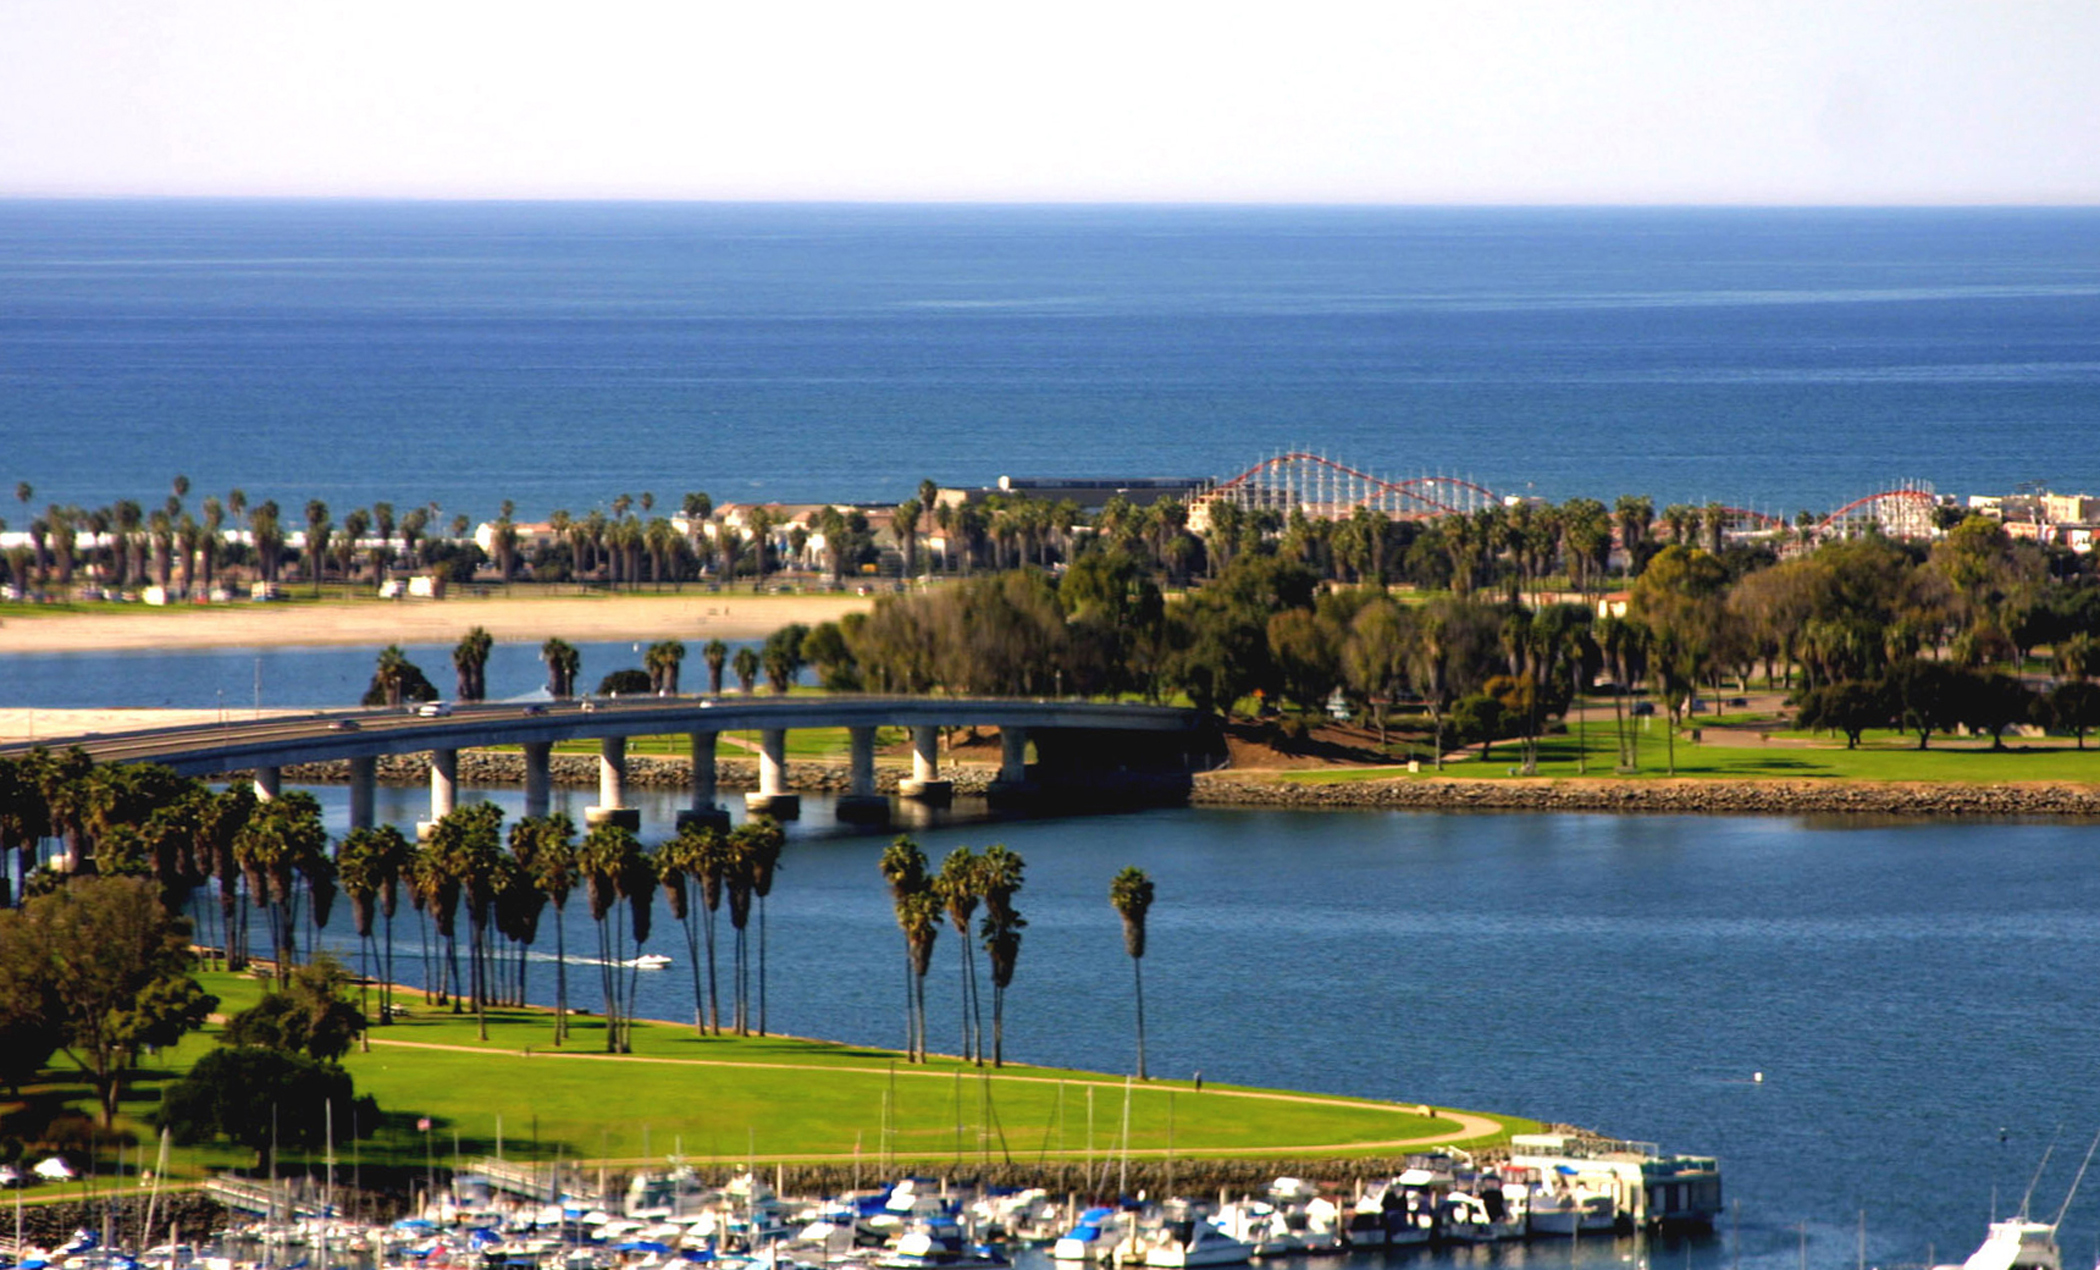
x: 434, y: 709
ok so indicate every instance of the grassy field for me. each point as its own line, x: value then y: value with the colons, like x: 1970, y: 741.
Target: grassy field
x: 1882, y: 756
x: 743, y: 1099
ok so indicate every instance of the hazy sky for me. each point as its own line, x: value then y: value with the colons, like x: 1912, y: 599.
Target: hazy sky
x: 1829, y: 101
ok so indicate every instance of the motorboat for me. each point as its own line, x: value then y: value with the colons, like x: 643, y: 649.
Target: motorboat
x: 1096, y: 1235
x: 1258, y: 1225
x: 1482, y: 1218
x: 939, y: 1245
x: 1567, y: 1205
x: 649, y: 961
x: 1181, y: 1238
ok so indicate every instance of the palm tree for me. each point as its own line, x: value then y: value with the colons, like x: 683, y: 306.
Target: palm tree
x: 999, y: 874
x: 1130, y: 894
x: 470, y: 659
x: 551, y: 863
x: 316, y: 541
x: 919, y: 917
x: 956, y: 887
x: 904, y: 526
x: 467, y: 843
x: 359, y: 870
x: 903, y: 867
x: 678, y: 866
x: 716, y: 857
x: 391, y: 674
x: 746, y: 665
x: 763, y: 840
x: 281, y: 840
x: 564, y: 663
x: 717, y: 654
x: 613, y: 868
x: 662, y: 661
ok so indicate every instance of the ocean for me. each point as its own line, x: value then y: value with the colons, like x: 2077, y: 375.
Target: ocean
x: 561, y: 354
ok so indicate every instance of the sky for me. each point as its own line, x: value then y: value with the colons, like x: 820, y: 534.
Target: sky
x: 1304, y: 101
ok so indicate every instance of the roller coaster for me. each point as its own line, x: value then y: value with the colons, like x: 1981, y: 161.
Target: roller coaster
x: 1320, y: 488
x: 1323, y: 489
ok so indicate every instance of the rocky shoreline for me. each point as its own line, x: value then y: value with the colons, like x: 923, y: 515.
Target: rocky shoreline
x: 1663, y: 796
x: 1230, y: 788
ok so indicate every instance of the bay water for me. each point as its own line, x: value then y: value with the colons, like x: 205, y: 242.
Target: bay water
x: 560, y: 354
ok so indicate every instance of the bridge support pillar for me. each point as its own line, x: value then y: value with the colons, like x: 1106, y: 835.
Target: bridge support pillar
x: 704, y: 811
x: 539, y: 777
x: 268, y: 782
x: 772, y: 798
x: 1013, y: 785
x: 926, y: 784
x: 612, y: 806
x: 861, y: 805
x: 444, y: 788
x: 364, y: 776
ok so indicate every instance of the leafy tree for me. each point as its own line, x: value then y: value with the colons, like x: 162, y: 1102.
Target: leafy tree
x: 1130, y: 894
x: 309, y: 1016
x: 1925, y: 695
x: 625, y: 683
x: 2075, y: 704
x: 255, y: 1097
x: 1848, y: 707
x: 1992, y: 703
x: 1478, y: 717
x: 110, y: 969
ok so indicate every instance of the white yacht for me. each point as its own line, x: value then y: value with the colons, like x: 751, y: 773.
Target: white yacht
x: 2015, y: 1244
x: 1094, y: 1237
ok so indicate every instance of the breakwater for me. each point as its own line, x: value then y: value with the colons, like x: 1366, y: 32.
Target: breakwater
x: 1660, y: 795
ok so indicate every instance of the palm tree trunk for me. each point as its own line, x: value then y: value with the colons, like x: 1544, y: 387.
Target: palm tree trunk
x: 692, y: 960
x: 1137, y: 968
x: 386, y: 989
x: 761, y: 965
x: 998, y: 1026
x: 561, y: 979
x: 714, y: 992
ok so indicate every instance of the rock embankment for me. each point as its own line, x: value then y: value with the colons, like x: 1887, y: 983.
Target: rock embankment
x: 580, y: 771
x: 1778, y: 797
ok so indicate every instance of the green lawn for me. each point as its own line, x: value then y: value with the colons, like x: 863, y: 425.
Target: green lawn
x: 736, y: 1098
x: 1882, y: 756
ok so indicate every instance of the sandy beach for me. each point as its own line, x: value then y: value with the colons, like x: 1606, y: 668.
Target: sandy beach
x: 510, y: 619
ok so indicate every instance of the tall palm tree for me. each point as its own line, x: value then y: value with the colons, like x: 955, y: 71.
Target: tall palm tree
x: 563, y: 665
x: 1130, y: 894
x: 317, y: 529
x: 999, y: 875
x: 613, y: 868
x: 763, y: 841
x: 903, y: 867
x: 551, y: 858
x: 662, y: 661
x: 956, y: 886
x: 467, y: 843
x: 919, y: 917
x: 470, y: 660
x: 717, y: 655
x: 677, y: 869
x: 391, y: 673
x: 746, y: 664
x: 281, y: 841
x: 368, y: 862
x: 716, y: 857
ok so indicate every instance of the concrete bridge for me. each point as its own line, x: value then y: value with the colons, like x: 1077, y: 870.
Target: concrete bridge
x: 1070, y: 736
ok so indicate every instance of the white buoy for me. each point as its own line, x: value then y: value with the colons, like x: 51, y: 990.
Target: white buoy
x: 1757, y: 1078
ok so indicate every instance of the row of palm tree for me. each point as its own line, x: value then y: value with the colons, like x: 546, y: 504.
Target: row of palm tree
x: 964, y: 880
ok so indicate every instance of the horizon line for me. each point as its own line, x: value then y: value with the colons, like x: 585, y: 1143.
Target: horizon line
x: 1748, y: 205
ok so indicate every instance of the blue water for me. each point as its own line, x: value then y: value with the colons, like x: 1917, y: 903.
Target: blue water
x: 561, y: 354
x: 280, y: 677
x: 1908, y: 991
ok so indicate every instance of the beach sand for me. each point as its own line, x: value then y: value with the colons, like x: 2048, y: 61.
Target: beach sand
x: 510, y: 619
